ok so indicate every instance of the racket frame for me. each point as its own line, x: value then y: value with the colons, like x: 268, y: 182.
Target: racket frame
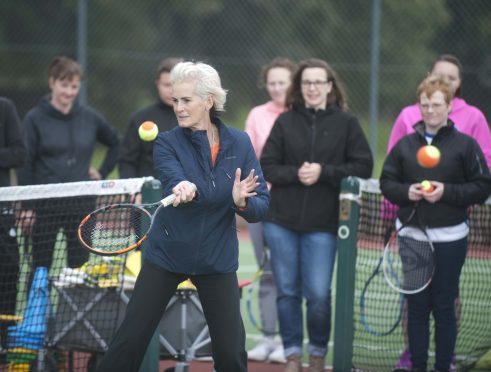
x: 373, y: 275
x: 165, y: 202
x: 386, y: 262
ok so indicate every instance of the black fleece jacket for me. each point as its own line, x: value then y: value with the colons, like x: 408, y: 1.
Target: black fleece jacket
x: 60, y: 146
x: 12, y: 147
x: 330, y: 137
x: 462, y: 169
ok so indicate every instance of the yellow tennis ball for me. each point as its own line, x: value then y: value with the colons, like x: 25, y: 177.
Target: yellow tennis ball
x: 148, y: 131
x: 427, y: 186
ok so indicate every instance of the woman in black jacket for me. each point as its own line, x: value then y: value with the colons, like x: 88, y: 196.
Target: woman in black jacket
x: 311, y: 148
x: 460, y: 180
x: 12, y: 155
x: 61, y: 136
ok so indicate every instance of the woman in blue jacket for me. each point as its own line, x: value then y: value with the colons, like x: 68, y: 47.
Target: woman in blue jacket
x: 197, y: 238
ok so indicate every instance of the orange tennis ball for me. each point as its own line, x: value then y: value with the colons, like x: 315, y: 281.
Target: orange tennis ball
x: 148, y: 131
x: 428, y: 156
x: 426, y: 186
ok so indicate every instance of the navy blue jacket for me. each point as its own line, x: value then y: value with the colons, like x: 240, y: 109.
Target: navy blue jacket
x: 200, y: 237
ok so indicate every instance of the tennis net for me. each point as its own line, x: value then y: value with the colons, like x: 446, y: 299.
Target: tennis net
x: 378, y: 320
x: 55, y: 297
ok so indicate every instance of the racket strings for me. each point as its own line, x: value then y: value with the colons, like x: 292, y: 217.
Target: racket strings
x: 114, y: 229
x: 409, y: 263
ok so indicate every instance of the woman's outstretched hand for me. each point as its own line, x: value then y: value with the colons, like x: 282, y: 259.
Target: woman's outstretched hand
x: 244, y: 189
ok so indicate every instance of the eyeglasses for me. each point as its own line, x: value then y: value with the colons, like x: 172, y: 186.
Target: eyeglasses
x: 434, y: 106
x: 316, y: 83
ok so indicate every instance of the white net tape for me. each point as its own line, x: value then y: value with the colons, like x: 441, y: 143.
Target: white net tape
x: 83, y: 188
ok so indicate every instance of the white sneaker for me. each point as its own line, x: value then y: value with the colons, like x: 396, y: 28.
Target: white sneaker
x: 262, y: 350
x: 278, y: 355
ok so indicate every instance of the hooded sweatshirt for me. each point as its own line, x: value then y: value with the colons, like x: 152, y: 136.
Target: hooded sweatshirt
x: 60, y: 146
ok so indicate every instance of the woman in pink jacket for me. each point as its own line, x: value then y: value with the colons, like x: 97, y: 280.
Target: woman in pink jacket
x: 276, y: 77
x: 468, y: 119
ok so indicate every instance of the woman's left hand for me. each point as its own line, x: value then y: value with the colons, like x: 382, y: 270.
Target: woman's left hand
x: 244, y: 189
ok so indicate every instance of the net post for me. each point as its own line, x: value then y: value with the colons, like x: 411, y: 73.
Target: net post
x: 349, y: 210
x: 151, y: 193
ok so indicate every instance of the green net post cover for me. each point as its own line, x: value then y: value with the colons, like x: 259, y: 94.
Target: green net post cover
x: 349, y: 209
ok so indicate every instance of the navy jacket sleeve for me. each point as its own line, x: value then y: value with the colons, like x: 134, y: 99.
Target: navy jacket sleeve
x: 166, y: 163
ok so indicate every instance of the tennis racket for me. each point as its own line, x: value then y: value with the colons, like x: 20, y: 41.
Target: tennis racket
x: 408, y: 260
x: 253, y: 290
x: 119, y: 228
x: 380, y: 307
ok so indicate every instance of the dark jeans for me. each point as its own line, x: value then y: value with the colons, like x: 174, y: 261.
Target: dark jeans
x: 220, y: 298
x: 439, y: 299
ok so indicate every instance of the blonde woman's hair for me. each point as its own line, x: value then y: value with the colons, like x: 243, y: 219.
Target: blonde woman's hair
x: 207, y: 82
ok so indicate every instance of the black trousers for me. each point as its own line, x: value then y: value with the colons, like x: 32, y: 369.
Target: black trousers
x: 437, y: 299
x: 220, y: 299
x: 51, y: 216
x: 9, y: 269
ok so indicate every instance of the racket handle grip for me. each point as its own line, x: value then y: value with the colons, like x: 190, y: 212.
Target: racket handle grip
x: 168, y: 200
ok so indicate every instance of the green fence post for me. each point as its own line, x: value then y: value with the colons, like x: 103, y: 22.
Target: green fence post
x: 151, y: 193
x: 349, y: 210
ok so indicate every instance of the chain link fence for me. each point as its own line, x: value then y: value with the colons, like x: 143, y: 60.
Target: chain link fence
x: 381, y: 49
